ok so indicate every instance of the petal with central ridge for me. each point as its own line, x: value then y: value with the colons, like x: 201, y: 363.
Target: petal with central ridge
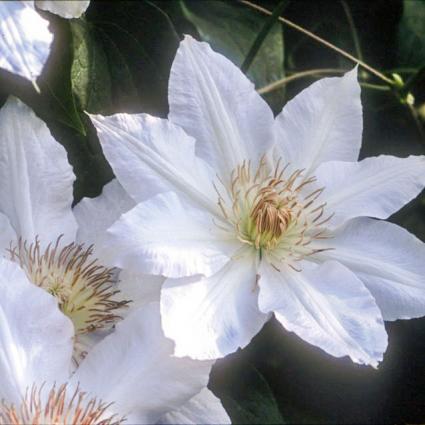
x: 322, y: 123
x: 169, y: 236
x: 211, y: 317
x: 217, y: 105
x: 375, y: 187
x: 388, y: 259
x: 327, y: 306
x: 150, y: 155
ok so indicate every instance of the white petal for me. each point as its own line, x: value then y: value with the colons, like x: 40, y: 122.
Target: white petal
x: 140, y: 289
x: 217, y: 105
x: 36, y: 179
x: 322, y: 123
x: 135, y: 369
x: 169, y: 236
x: 35, y: 337
x: 212, y: 317
x: 388, y: 259
x: 328, y: 307
x: 375, y: 187
x: 95, y: 215
x: 150, y: 155
x: 65, y: 8
x: 24, y: 39
x: 204, y: 408
x: 7, y: 234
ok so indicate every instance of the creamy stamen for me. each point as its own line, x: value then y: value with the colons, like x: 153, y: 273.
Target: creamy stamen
x: 85, y: 289
x: 272, y: 210
x: 57, y: 408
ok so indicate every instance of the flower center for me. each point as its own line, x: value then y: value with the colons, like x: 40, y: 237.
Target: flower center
x: 84, y: 289
x: 59, y: 408
x: 273, y: 210
x: 270, y: 216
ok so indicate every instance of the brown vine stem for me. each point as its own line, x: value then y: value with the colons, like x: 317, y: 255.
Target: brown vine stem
x: 315, y: 73
x: 320, y: 40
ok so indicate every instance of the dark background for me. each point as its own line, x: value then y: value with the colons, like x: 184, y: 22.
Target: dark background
x: 118, y: 58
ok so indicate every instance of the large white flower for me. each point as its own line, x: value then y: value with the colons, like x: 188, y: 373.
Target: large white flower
x: 40, y: 233
x: 128, y: 377
x: 248, y: 215
x: 25, y: 38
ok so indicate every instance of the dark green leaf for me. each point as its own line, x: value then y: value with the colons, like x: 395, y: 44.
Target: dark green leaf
x: 90, y: 76
x: 411, y: 36
x: 246, y: 395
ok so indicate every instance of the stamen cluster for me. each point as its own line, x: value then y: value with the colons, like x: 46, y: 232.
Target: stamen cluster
x: 84, y: 289
x: 273, y: 210
x: 58, y: 408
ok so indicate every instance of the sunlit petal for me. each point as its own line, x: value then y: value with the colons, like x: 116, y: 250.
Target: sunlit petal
x: 211, y: 317
x: 217, y: 105
x: 25, y: 39
x: 65, y: 8
x: 35, y: 337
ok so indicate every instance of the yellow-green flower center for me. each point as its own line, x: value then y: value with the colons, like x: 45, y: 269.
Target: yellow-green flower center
x: 274, y: 210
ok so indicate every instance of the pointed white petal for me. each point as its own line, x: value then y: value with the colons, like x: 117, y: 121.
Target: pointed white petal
x: 24, y: 39
x: 169, y: 236
x: 388, y: 259
x: 36, y: 179
x: 212, y: 317
x: 65, y: 8
x: 375, y: 187
x: 35, y: 337
x: 150, y: 155
x: 322, y: 123
x: 95, y: 215
x: 204, y: 408
x: 135, y: 369
x: 327, y: 306
x: 217, y: 105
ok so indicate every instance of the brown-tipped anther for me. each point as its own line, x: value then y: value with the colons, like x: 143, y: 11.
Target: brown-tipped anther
x: 57, y: 407
x: 272, y: 209
x: 85, y: 290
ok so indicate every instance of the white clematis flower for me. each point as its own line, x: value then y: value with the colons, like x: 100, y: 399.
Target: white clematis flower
x: 129, y: 377
x: 248, y: 215
x: 25, y: 38
x: 40, y: 233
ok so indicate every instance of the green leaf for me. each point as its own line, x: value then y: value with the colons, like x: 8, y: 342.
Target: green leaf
x: 139, y: 42
x: 231, y: 29
x: 91, y: 81
x: 411, y: 35
x: 55, y: 82
x: 246, y: 395
x: 124, y: 90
